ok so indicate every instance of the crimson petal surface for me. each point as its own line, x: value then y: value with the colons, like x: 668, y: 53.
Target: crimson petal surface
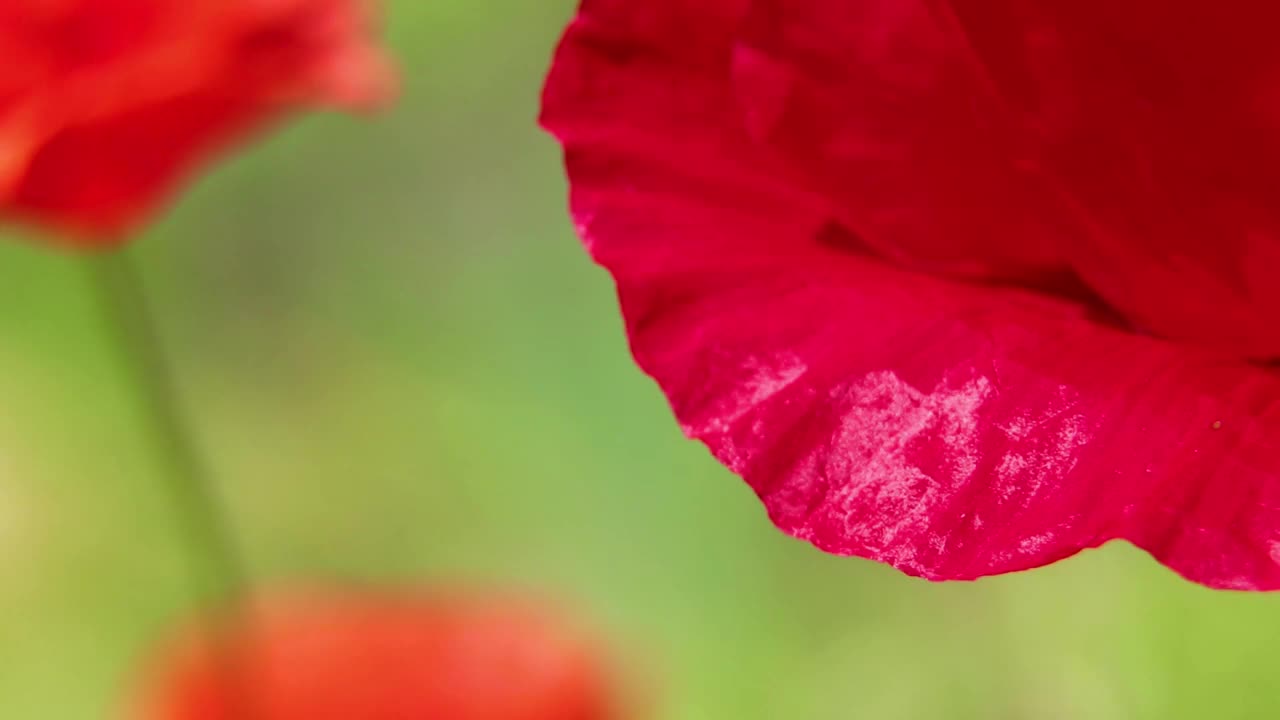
x: 951, y: 424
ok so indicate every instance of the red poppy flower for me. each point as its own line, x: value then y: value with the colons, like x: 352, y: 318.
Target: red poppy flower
x: 964, y: 287
x: 106, y: 104
x: 342, y: 657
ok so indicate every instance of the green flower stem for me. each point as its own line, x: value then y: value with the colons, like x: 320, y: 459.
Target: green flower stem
x: 219, y: 574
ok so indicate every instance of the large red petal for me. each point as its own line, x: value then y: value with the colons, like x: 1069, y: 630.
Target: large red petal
x: 953, y: 430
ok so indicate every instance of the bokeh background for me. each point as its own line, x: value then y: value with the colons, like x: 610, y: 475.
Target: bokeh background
x: 404, y: 369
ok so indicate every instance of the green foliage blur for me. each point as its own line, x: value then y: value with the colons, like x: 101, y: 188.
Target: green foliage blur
x: 404, y: 369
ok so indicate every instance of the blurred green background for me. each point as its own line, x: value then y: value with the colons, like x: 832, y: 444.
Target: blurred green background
x: 403, y: 368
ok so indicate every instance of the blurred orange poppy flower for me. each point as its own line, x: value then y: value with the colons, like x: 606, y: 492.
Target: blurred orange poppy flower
x: 106, y: 105
x: 383, y: 657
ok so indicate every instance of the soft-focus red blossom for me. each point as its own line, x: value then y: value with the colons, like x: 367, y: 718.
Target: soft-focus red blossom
x: 390, y: 657
x: 962, y: 286
x: 106, y: 105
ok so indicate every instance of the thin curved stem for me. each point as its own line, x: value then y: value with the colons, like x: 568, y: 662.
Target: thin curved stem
x: 219, y: 575
x: 220, y: 572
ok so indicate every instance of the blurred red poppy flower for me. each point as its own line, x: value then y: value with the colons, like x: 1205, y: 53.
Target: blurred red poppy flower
x: 393, y: 657
x: 964, y: 287
x: 105, y: 105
